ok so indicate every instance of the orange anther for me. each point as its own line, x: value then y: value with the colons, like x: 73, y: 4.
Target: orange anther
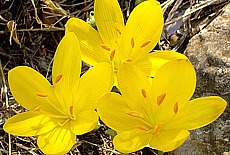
x: 145, y: 43
x: 58, y: 78
x: 71, y: 110
x: 135, y: 114
x: 105, y: 47
x: 129, y: 60
x: 132, y: 42
x: 160, y: 99
x: 112, y: 55
x: 116, y: 27
x: 175, y: 108
x: 42, y: 94
x: 156, y: 129
x: 143, y: 93
x: 142, y: 127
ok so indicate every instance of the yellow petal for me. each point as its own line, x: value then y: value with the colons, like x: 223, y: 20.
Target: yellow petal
x: 25, y: 83
x: 97, y: 81
x: 145, y: 24
x: 108, y: 16
x: 176, y: 81
x: 168, y: 140
x: 58, y: 141
x: 153, y: 61
x: 197, y: 113
x: 29, y: 124
x: 113, y: 111
x: 135, y: 87
x: 131, y: 141
x: 85, y: 122
x: 66, y: 68
x: 89, y: 40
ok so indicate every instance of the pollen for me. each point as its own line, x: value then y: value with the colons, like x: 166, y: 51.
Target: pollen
x: 145, y: 43
x: 112, y: 55
x: 142, y: 127
x: 132, y: 42
x: 58, y: 78
x: 175, y: 108
x: 160, y: 99
x: 156, y: 129
x: 135, y: 114
x: 129, y: 60
x: 116, y: 28
x: 105, y: 47
x: 38, y: 108
x: 42, y: 94
x: 143, y: 93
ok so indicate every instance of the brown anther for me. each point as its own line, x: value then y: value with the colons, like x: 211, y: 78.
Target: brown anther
x: 105, y: 47
x: 143, y: 93
x: 116, y: 27
x: 175, y: 108
x: 132, y: 42
x: 42, y: 94
x: 112, y: 55
x: 142, y: 127
x: 135, y: 114
x: 38, y: 108
x: 156, y: 129
x: 129, y: 60
x: 145, y: 43
x: 71, y: 110
x: 160, y: 99
x: 58, y: 78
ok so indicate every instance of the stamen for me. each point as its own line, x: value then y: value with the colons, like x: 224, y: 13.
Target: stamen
x: 129, y: 60
x: 38, y: 108
x: 156, y: 129
x: 105, y: 47
x: 143, y: 93
x: 145, y: 43
x: 71, y: 110
x: 160, y: 99
x: 112, y: 55
x: 116, y: 27
x: 42, y: 94
x: 135, y: 114
x: 58, y: 78
x: 62, y: 124
x: 175, y: 108
x: 132, y: 42
x: 142, y: 127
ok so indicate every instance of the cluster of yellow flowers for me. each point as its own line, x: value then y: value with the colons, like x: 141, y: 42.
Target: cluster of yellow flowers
x: 153, y: 109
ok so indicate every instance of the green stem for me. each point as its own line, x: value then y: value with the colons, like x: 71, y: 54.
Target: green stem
x: 160, y: 152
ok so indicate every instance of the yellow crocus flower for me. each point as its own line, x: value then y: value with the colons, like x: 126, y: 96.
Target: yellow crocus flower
x: 57, y: 113
x: 157, y: 114
x: 115, y: 43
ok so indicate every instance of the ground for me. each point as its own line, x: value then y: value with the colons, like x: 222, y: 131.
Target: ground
x: 31, y: 30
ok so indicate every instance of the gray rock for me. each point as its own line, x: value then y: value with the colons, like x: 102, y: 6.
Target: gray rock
x: 209, y: 51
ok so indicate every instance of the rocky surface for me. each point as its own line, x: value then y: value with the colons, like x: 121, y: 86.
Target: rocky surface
x: 209, y: 51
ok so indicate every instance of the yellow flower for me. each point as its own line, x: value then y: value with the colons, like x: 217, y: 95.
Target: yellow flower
x: 57, y: 113
x: 116, y: 43
x: 159, y: 114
